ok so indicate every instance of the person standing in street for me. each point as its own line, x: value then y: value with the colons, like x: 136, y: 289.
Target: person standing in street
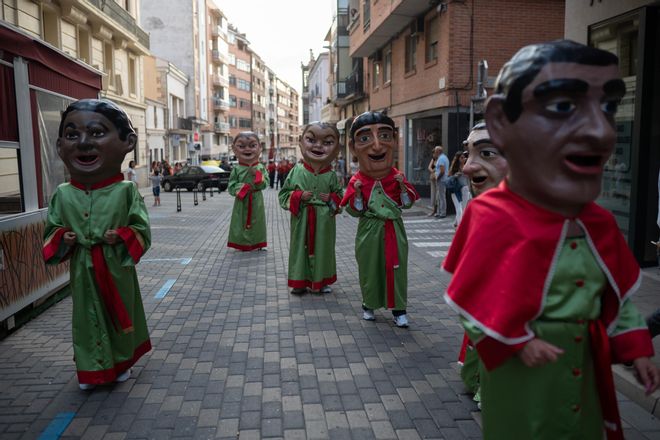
x: 271, y: 168
x: 376, y: 195
x: 247, y: 230
x: 552, y: 311
x: 441, y: 174
x: 433, y: 181
x: 156, y: 178
x: 130, y: 172
x: 99, y: 223
x: 312, y: 193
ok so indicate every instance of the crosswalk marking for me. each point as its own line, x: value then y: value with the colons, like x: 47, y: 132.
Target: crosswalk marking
x: 427, y: 220
x: 431, y: 231
x: 427, y: 244
x: 437, y: 254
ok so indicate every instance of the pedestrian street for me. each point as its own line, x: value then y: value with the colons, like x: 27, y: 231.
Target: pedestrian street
x: 235, y: 355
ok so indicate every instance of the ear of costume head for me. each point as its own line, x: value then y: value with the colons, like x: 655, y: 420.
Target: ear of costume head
x: 370, y: 118
x: 108, y: 109
x: 522, y: 68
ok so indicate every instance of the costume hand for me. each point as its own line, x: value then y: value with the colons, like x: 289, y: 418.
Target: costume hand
x: 647, y: 374
x: 111, y: 236
x: 358, y: 188
x: 399, y: 179
x: 306, y: 195
x: 537, y: 352
x: 69, y: 238
x: 325, y: 197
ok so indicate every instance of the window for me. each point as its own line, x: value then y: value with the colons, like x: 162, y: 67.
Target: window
x: 232, y: 80
x: 51, y: 27
x: 108, y: 63
x: 84, y: 46
x: 244, y: 85
x: 376, y: 75
x: 244, y: 123
x: 132, y: 75
x: 233, y: 121
x: 232, y: 100
x: 432, y: 39
x: 242, y: 65
x: 387, y: 67
x: 244, y: 103
x: 411, y: 52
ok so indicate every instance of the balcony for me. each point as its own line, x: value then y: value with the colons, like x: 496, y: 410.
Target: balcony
x: 181, y: 126
x: 123, y: 18
x: 220, y: 104
x: 220, y: 81
x: 221, y: 127
x: 330, y: 113
x: 219, y: 57
x: 377, y: 34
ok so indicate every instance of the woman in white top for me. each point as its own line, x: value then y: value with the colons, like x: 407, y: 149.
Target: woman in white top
x: 130, y: 173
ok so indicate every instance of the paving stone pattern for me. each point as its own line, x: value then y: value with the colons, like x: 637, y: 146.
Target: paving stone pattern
x: 236, y: 356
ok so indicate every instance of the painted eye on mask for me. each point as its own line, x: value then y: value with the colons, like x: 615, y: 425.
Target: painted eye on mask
x: 488, y: 154
x: 364, y: 138
x: 561, y: 107
x: 610, y: 107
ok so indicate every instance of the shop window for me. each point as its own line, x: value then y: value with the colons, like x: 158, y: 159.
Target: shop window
x: 620, y: 38
x: 423, y: 135
x: 53, y: 171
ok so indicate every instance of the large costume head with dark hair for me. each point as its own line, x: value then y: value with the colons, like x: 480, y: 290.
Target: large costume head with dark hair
x: 485, y: 166
x: 94, y: 136
x: 247, y: 148
x: 319, y: 144
x: 552, y: 115
x: 374, y: 140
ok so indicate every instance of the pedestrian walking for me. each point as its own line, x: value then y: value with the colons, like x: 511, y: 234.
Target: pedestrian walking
x: 130, y: 172
x: 99, y: 223
x: 376, y: 195
x: 271, y: 168
x: 547, y: 348
x: 441, y: 175
x: 312, y: 193
x: 247, y: 230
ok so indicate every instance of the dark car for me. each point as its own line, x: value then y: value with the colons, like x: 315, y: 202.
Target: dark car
x: 200, y: 177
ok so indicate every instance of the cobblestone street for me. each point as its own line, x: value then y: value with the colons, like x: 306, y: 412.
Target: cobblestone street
x: 236, y: 356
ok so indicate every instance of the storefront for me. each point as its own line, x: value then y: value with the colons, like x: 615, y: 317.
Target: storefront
x: 631, y: 30
x: 37, y: 83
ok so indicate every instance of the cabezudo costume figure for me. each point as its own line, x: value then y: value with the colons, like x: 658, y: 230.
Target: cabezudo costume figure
x: 99, y: 221
x: 542, y: 277
x: 247, y: 230
x: 312, y: 193
x: 376, y: 194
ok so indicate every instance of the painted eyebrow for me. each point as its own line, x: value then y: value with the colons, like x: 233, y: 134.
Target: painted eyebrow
x: 482, y: 141
x: 560, y: 85
x: 615, y: 87
x: 362, y: 130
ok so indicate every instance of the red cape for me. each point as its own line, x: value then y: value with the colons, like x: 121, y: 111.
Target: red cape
x: 389, y: 184
x: 502, y: 260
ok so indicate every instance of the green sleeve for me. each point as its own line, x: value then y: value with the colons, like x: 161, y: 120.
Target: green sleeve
x: 53, y: 223
x: 629, y: 318
x: 288, y: 187
x: 234, y: 182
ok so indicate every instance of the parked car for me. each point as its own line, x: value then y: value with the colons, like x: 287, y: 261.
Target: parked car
x: 200, y: 177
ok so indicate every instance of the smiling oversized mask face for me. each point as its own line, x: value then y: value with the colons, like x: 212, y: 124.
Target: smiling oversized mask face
x: 319, y: 144
x: 91, y: 148
x: 247, y: 148
x: 374, y: 146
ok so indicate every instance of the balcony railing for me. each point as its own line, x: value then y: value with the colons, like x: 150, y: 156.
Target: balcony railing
x: 221, y: 127
x: 219, y: 81
x: 121, y: 16
x: 184, y: 124
x: 221, y: 104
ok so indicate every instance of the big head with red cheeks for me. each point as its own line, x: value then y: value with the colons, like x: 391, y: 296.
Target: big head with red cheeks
x: 485, y: 166
x: 373, y: 140
x: 94, y: 137
x: 559, y: 139
x: 319, y: 144
x: 247, y: 148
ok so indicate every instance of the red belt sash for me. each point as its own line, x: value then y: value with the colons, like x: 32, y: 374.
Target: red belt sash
x: 600, y: 351
x: 391, y: 260
x: 109, y: 293
x: 311, y: 229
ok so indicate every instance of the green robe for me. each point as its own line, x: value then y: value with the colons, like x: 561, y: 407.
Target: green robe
x: 557, y: 400
x: 311, y: 266
x: 247, y: 230
x: 102, y: 349
x: 370, y: 249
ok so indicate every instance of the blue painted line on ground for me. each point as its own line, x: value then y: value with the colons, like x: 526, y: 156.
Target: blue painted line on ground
x: 185, y: 261
x: 59, y: 424
x: 166, y: 288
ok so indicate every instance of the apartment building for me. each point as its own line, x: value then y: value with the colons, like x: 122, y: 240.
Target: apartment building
x: 101, y: 34
x: 631, y: 30
x: 319, y: 89
x: 240, y: 82
x: 271, y: 112
x: 422, y: 63
x: 259, y: 121
x: 178, y: 31
x: 155, y: 113
x: 287, y: 121
x: 217, y: 140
